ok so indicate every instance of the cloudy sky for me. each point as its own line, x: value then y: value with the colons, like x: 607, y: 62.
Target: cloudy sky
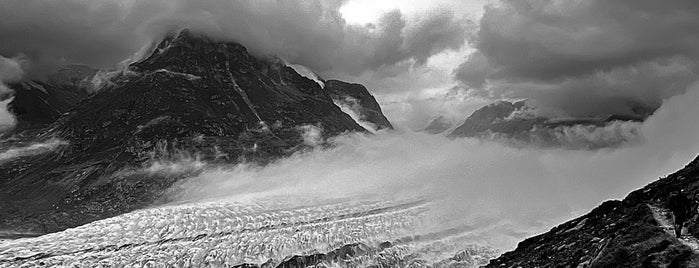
x: 421, y: 58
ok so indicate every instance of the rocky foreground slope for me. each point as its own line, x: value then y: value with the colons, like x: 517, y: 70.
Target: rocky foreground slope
x: 628, y: 233
x: 192, y: 97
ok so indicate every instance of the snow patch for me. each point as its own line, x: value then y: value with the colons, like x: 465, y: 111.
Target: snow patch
x: 305, y: 72
x: 351, y: 107
x: 189, y: 77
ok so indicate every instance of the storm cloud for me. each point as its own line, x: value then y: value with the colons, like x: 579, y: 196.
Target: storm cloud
x: 311, y: 33
x: 585, y: 57
x: 10, y: 71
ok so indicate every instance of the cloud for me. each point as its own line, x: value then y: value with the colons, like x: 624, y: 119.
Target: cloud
x: 585, y: 57
x: 311, y: 135
x: 31, y: 149
x: 474, y: 71
x: 435, y: 33
x: 305, y: 72
x: 577, y: 137
x: 10, y: 71
x: 7, y: 119
x: 417, y: 108
x: 311, y: 33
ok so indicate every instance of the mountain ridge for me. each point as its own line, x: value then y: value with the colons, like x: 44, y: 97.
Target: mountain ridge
x: 191, y: 96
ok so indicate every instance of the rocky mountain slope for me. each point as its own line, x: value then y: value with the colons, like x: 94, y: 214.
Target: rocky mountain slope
x: 629, y: 233
x: 36, y: 104
x: 192, y: 97
x: 358, y: 98
x: 514, y: 121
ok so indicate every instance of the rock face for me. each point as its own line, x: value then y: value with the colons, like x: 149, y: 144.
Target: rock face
x: 514, y: 122
x: 37, y: 103
x: 191, y: 96
x: 628, y: 233
x: 438, y: 125
x: 358, y: 98
x: 74, y: 76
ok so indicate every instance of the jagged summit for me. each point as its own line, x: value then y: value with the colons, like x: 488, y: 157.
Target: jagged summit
x: 190, y: 50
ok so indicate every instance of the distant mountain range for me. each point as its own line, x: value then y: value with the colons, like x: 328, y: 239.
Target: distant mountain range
x: 516, y: 122
x: 191, y: 96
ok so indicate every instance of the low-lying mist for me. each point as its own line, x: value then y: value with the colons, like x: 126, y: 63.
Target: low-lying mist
x: 22, y: 150
x: 505, y: 192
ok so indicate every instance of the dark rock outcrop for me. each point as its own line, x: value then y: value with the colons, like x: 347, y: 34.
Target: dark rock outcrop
x: 385, y: 255
x: 37, y: 104
x: 193, y: 96
x: 623, y: 233
x: 339, y: 255
x: 357, y: 97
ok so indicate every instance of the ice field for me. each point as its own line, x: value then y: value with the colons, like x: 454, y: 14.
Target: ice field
x: 228, y: 233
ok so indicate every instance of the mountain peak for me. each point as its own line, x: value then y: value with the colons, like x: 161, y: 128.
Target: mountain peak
x: 187, y: 48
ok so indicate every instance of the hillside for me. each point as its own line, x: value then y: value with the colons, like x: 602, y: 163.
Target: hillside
x: 633, y: 232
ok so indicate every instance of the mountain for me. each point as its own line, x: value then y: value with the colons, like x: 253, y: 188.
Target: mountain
x: 36, y: 103
x: 358, y: 98
x: 633, y: 232
x: 193, y: 97
x: 492, y: 118
x: 438, y: 125
x: 74, y: 76
x: 516, y: 122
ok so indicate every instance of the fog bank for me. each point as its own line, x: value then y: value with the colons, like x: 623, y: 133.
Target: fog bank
x: 506, y: 192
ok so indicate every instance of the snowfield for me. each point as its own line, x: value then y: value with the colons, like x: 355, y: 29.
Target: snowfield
x: 229, y: 233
